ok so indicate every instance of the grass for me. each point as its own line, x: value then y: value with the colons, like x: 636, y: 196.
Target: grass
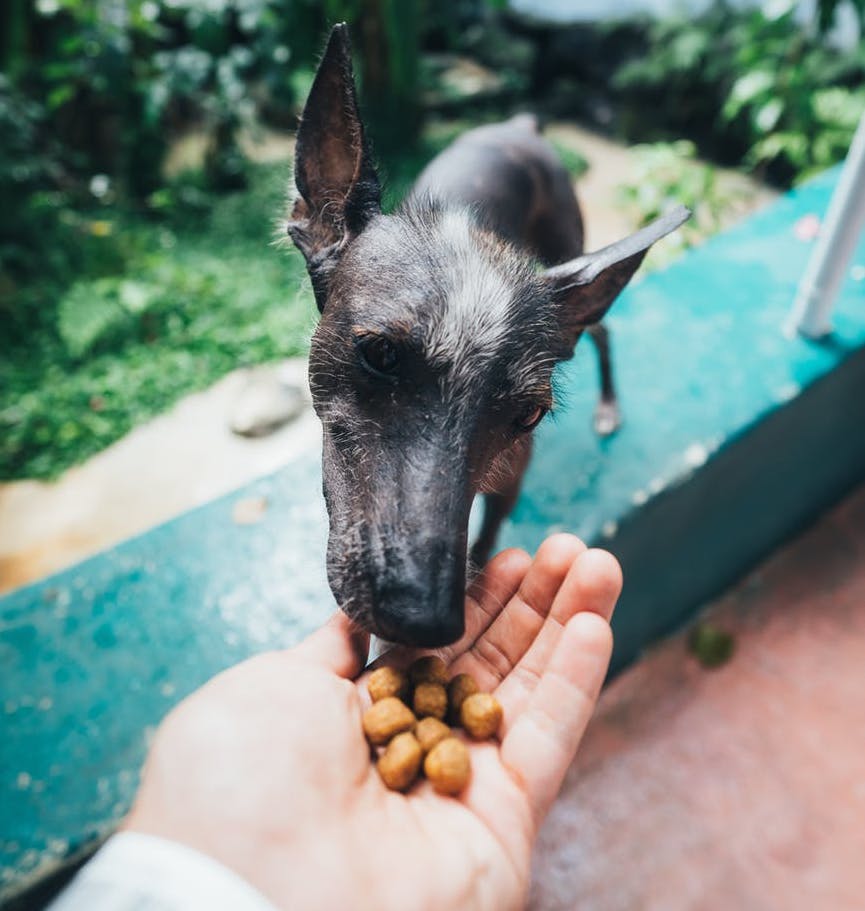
x: 197, y: 291
x: 197, y: 299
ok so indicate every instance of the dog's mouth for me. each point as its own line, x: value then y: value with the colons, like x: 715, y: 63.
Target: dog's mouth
x: 402, y: 608
x: 421, y: 631
x: 405, y: 621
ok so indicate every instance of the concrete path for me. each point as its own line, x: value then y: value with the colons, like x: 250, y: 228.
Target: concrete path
x: 173, y: 463
x: 737, y: 788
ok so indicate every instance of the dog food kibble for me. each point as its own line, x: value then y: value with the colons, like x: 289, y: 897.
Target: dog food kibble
x: 460, y: 686
x: 430, y: 699
x: 428, y: 669
x: 420, y: 740
x: 481, y: 716
x: 447, y: 766
x: 385, y: 719
x: 400, y: 762
x: 387, y: 681
x: 429, y: 732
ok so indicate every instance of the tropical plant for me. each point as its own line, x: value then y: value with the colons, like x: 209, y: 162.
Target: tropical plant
x: 669, y: 174
x: 750, y: 86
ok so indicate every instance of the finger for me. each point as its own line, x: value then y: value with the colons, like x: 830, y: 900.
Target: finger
x: 543, y: 740
x: 499, y: 648
x: 488, y: 596
x: 338, y: 646
x: 593, y: 584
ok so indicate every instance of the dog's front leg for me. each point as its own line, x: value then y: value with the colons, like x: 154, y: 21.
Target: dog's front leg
x: 500, y: 499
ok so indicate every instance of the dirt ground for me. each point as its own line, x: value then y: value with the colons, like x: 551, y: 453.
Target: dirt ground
x: 188, y: 455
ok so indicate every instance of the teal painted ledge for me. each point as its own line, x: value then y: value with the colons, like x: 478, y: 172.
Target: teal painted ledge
x: 734, y: 436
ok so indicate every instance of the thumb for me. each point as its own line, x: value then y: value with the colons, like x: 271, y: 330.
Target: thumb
x: 338, y: 646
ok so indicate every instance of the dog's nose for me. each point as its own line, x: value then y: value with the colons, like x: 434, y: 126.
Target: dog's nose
x: 424, y: 608
x: 410, y: 626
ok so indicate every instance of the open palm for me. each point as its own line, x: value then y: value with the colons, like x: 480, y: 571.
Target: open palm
x: 267, y: 770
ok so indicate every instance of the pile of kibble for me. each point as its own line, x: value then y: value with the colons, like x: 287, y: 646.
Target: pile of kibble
x: 406, y: 724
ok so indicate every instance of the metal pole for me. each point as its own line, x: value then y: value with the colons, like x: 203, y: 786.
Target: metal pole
x: 839, y: 235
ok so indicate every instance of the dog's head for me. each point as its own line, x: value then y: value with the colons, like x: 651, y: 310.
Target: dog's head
x: 430, y: 366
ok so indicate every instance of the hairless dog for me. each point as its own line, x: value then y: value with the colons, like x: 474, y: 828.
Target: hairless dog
x: 440, y: 327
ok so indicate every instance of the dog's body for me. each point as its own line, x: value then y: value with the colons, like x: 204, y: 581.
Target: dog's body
x: 433, y: 358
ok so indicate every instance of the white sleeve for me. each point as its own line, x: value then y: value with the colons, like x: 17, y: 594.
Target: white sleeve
x: 135, y: 872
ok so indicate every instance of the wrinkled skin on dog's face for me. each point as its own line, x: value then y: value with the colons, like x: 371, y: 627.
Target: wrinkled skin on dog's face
x: 430, y: 367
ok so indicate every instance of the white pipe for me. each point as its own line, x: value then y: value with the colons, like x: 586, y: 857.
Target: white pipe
x: 838, y: 238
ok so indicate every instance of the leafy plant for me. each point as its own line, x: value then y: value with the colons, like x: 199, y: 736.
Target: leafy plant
x: 574, y: 162
x: 827, y: 10
x: 781, y: 98
x: 188, y: 307
x: 92, y: 312
x: 669, y: 174
x: 751, y: 86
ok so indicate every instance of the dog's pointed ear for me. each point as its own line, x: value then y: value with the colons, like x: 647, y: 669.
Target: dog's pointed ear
x: 585, y: 287
x: 339, y: 190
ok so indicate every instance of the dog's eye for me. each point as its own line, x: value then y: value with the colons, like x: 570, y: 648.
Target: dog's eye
x: 379, y: 356
x: 530, y: 419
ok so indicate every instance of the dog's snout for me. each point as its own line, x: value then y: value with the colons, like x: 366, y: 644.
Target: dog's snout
x: 424, y: 605
x: 410, y: 625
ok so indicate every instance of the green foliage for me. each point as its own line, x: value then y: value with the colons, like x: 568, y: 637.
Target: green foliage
x: 92, y: 312
x: 669, y: 174
x: 190, y: 306
x: 41, y: 233
x: 96, y: 90
x: 574, y: 162
x: 828, y: 9
x: 752, y: 86
x: 781, y: 98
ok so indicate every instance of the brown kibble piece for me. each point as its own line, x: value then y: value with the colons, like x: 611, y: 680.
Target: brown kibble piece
x: 428, y: 669
x: 459, y: 688
x: 430, y: 699
x: 481, y: 716
x: 400, y: 762
x: 448, y: 766
x: 387, y: 681
x: 430, y: 731
x: 385, y: 719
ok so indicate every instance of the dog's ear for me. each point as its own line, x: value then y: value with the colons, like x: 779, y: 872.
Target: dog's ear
x: 585, y: 287
x: 339, y: 190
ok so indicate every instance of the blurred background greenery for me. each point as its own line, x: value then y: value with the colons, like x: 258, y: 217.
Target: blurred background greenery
x: 131, y: 273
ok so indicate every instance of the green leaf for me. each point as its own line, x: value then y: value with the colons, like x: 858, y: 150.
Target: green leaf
x: 839, y: 107
x: 87, y: 314
x: 768, y: 115
x: 59, y: 96
x: 793, y: 146
x: 135, y: 296
x: 746, y: 89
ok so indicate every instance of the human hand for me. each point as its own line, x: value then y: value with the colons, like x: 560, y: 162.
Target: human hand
x: 266, y: 769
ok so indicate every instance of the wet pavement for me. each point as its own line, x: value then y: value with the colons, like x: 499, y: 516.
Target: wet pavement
x: 741, y: 787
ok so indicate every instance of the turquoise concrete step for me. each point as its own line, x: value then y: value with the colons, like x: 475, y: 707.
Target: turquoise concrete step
x: 734, y: 436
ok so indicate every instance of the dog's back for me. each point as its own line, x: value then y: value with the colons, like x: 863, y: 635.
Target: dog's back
x: 511, y: 177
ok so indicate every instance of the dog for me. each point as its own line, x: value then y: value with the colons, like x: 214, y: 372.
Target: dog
x: 440, y: 327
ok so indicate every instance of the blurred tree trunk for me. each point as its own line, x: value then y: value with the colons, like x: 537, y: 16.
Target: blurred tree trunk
x: 14, y: 36
x: 386, y: 38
